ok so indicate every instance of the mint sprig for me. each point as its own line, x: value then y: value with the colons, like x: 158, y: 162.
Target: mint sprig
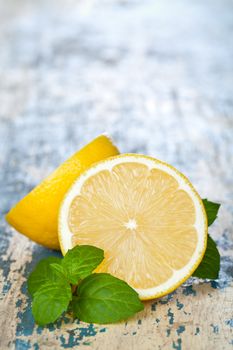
x: 210, y: 264
x: 99, y: 298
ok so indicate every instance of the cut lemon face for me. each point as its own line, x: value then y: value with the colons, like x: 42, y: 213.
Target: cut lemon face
x: 144, y: 214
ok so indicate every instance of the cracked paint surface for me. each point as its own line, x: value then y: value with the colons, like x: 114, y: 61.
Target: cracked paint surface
x: 72, y: 70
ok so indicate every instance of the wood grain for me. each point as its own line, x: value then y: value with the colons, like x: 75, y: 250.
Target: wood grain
x: 158, y: 77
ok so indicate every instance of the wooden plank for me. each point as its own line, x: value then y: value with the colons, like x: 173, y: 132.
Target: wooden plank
x: 158, y: 77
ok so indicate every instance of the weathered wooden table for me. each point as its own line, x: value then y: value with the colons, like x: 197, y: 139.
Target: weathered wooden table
x: 158, y: 76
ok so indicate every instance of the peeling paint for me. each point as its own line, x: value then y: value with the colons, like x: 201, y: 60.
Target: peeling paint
x: 39, y: 329
x: 76, y: 336
x: 215, y: 328
x: 170, y: 316
x: 153, y: 306
x: 177, y: 345
x: 229, y: 322
x: 197, y: 331
x: 18, y: 303
x: 188, y: 290
x: 167, y: 298
x: 21, y: 344
x: 180, y: 330
x: 214, y: 284
x: 179, y: 305
x: 221, y: 283
x: 5, y: 264
x: 102, y: 330
x: 6, y: 287
x: 26, y: 324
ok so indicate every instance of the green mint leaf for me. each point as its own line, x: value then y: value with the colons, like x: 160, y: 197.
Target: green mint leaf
x: 102, y: 298
x: 80, y: 261
x: 211, y: 209
x: 42, y: 274
x: 210, y: 264
x: 59, y: 269
x: 50, y: 301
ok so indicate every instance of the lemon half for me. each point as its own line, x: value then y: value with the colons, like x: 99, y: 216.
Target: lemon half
x: 36, y: 215
x: 144, y: 214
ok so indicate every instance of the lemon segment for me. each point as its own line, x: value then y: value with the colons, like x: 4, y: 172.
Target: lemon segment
x: 36, y: 215
x: 144, y: 214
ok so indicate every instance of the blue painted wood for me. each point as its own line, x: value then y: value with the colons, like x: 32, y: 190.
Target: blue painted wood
x: 158, y: 77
